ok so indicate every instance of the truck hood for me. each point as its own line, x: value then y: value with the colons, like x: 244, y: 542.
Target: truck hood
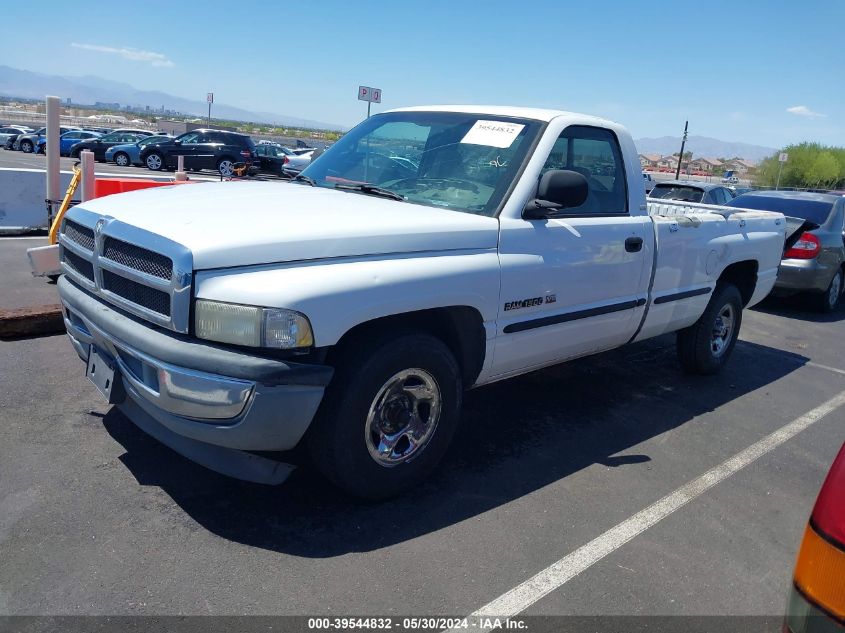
x: 228, y: 224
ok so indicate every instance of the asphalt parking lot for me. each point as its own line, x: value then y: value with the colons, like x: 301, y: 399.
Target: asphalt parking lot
x: 98, y: 518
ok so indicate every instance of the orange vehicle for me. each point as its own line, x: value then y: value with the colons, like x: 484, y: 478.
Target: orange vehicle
x: 817, y: 597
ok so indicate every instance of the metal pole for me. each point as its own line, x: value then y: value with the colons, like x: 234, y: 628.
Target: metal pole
x: 87, y: 183
x: 780, y: 169
x: 681, y: 157
x: 209, y: 114
x: 54, y: 177
x: 369, y: 103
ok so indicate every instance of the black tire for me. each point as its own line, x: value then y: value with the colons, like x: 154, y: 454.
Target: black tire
x: 26, y: 147
x: 338, y: 440
x: 828, y: 301
x: 121, y: 159
x: 154, y: 161
x: 700, y: 348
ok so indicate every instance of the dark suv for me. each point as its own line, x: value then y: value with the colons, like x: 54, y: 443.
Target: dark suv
x: 203, y: 149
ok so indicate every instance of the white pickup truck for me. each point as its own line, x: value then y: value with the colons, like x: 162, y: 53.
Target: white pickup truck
x: 430, y: 250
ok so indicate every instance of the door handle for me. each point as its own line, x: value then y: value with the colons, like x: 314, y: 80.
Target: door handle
x: 634, y: 244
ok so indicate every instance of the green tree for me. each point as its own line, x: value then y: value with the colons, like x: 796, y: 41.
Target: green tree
x: 810, y: 166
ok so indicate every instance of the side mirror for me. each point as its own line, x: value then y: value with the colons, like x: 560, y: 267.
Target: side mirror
x: 558, y: 189
x: 177, y: 141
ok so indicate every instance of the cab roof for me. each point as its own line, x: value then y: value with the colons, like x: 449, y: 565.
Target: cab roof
x: 538, y: 114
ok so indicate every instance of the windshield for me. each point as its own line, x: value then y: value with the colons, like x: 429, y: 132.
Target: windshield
x: 463, y: 162
x: 677, y: 192
x: 815, y: 210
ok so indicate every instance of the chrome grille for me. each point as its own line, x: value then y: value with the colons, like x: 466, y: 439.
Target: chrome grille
x: 137, y: 258
x: 150, y: 298
x: 138, y: 271
x: 80, y: 265
x: 82, y: 235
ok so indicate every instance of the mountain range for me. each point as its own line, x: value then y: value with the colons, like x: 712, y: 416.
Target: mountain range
x: 88, y: 89
x: 703, y: 147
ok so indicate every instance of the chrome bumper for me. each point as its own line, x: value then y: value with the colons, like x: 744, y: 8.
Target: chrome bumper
x: 201, y: 391
x: 176, y: 390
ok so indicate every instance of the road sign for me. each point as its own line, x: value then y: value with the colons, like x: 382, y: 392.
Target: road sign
x: 210, y: 97
x: 373, y: 95
x: 783, y: 157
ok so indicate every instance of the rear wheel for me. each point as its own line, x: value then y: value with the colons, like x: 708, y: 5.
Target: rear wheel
x: 388, y: 416
x: 828, y: 301
x: 154, y: 161
x: 26, y: 147
x: 226, y: 167
x: 121, y: 159
x: 705, y: 346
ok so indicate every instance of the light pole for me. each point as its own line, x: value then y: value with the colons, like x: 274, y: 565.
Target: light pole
x: 210, y: 98
x: 681, y: 157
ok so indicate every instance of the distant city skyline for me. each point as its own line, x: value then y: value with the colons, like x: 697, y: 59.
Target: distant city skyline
x: 762, y: 72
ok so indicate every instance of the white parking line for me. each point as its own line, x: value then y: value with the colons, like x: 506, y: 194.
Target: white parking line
x: 835, y: 370
x: 524, y: 595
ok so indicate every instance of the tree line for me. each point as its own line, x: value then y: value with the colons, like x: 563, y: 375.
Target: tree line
x: 809, y: 166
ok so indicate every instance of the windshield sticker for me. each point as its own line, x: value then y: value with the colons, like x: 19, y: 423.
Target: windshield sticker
x: 493, y: 134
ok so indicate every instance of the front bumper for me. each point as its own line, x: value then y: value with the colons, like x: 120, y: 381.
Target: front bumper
x: 196, y: 389
x: 802, y: 275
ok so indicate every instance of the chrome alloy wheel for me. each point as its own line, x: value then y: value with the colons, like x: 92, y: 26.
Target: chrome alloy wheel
x: 403, y: 417
x: 121, y: 160
x: 226, y: 167
x: 154, y: 162
x: 722, y: 330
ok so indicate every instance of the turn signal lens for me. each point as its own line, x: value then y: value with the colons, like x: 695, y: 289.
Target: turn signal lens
x: 829, y: 512
x: 820, y: 573
x: 807, y: 247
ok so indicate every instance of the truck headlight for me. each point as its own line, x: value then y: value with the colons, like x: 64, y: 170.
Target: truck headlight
x: 251, y: 326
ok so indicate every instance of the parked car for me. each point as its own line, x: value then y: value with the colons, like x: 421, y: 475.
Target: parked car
x: 814, y: 263
x: 817, y: 595
x: 28, y: 142
x: 691, y: 191
x: 10, y: 130
x: 130, y: 153
x: 730, y: 177
x: 351, y: 310
x: 203, y: 149
x: 66, y: 141
x: 101, y: 144
x: 275, y: 159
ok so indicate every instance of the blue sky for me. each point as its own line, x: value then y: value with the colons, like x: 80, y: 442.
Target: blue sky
x: 766, y: 72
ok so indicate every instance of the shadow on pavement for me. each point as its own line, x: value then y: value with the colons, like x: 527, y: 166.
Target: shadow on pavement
x: 517, y: 437
x: 799, y: 307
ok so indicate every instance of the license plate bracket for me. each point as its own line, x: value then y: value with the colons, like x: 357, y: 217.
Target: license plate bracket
x: 102, y: 372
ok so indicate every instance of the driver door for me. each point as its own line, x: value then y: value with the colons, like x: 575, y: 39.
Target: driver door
x: 576, y: 282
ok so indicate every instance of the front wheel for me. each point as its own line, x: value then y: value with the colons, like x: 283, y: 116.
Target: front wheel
x: 121, y: 159
x: 388, y: 416
x: 705, y: 346
x: 26, y: 147
x: 154, y: 162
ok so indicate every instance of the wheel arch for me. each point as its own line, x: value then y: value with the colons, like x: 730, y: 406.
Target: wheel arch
x: 743, y: 275
x: 461, y: 328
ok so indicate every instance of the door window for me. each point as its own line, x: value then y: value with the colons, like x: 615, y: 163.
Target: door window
x: 189, y: 138
x: 594, y: 153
